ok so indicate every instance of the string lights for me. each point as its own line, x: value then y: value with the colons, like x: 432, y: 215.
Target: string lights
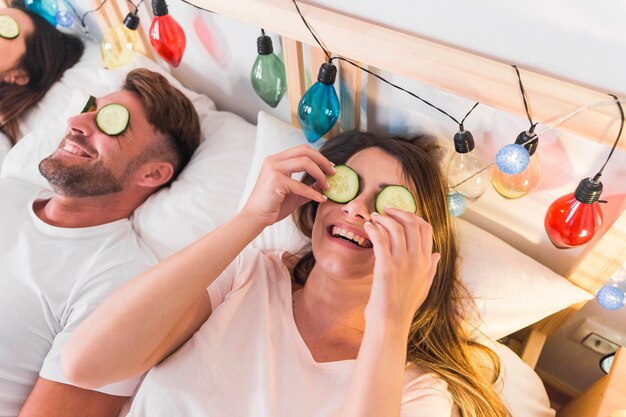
x: 268, y: 72
x: 573, y: 219
x: 45, y: 8
x: 119, y: 43
x: 519, y: 167
x: 166, y: 36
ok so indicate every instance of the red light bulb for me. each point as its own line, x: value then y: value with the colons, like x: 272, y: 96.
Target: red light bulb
x: 166, y: 36
x: 572, y: 220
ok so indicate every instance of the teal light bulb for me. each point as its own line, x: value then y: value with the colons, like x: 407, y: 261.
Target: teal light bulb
x: 268, y: 73
x: 318, y: 109
x: 45, y: 8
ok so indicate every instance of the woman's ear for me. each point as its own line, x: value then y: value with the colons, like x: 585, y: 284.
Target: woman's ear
x: 16, y: 76
x: 155, y: 173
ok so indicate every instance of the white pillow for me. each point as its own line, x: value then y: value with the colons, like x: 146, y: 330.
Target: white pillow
x: 90, y: 77
x: 511, y: 290
x: 204, y: 196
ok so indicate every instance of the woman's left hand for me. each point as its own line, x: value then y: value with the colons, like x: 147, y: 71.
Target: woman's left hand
x: 404, y: 265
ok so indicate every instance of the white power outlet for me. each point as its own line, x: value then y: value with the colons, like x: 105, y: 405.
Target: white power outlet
x: 599, y: 344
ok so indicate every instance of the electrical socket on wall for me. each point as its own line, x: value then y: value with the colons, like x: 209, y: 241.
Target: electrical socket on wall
x: 599, y: 344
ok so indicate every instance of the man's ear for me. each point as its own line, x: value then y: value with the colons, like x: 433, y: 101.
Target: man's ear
x: 16, y: 76
x: 155, y: 174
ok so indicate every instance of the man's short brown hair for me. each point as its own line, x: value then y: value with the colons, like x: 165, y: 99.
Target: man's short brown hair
x: 170, y: 112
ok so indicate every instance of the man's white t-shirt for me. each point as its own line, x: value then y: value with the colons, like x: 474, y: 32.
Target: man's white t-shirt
x: 249, y: 360
x: 51, y: 278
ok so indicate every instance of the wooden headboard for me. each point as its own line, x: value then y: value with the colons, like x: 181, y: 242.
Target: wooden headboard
x: 453, y: 70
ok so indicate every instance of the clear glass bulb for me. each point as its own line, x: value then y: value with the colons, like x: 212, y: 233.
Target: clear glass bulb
x: 517, y: 185
x: 466, y: 174
x: 118, y: 46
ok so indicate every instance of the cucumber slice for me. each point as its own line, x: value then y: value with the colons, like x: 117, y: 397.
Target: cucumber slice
x: 113, y: 119
x: 90, y: 105
x: 396, y: 196
x: 9, y: 29
x: 344, y: 185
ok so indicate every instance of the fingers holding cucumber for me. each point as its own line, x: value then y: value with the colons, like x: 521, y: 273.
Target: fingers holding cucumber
x: 276, y: 194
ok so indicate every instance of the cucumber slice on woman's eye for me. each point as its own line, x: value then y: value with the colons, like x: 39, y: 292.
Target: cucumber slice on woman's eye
x: 9, y: 29
x: 344, y: 185
x: 113, y: 119
x: 90, y: 105
x: 396, y: 196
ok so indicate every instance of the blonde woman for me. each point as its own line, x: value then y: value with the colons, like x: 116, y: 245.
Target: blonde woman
x: 369, y: 323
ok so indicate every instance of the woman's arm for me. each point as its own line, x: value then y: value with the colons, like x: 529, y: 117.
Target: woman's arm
x: 403, y: 272
x: 149, y: 317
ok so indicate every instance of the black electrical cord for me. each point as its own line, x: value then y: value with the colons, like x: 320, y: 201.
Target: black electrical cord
x: 619, y: 134
x: 521, y: 87
x: 330, y: 59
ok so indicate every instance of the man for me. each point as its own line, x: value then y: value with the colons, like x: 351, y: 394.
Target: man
x: 62, y: 253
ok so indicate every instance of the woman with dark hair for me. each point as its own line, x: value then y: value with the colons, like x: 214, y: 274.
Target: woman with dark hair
x: 33, y: 60
x: 368, y: 323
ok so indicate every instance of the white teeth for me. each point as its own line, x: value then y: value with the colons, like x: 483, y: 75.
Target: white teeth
x: 338, y: 231
x: 75, y: 150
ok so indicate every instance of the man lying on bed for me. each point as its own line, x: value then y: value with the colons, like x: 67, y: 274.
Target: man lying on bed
x: 62, y: 253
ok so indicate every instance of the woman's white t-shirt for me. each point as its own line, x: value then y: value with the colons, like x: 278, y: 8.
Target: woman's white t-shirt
x: 249, y: 360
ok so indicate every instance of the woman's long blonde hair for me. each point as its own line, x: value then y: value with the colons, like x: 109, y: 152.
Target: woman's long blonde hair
x: 437, y: 341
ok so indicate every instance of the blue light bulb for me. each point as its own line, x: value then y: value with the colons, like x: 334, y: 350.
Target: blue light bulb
x: 64, y: 19
x: 318, y: 109
x: 456, y: 203
x: 611, y: 298
x: 45, y: 8
x: 512, y: 159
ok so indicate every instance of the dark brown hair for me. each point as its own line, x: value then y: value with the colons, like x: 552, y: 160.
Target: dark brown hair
x: 49, y: 53
x: 437, y: 341
x: 170, y: 112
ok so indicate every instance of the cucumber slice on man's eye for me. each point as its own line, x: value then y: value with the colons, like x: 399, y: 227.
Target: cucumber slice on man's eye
x: 90, y: 105
x: 396, y: 196
x: 113, y: 119
x: 344, y: 185
x: 9, y: 28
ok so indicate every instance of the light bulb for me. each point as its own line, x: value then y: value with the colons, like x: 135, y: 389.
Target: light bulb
x: 573, y: 219
x: 522, y: 183
x: 166, y: 36
x: 64, y: 19
x: 465, y: 169
x: 268, y: 73
x: 610, y: 298
x: 456, y: 203
x: 45, y: 8
x: 118, y: 44
x: 318, y: 109
x: 512, y: 159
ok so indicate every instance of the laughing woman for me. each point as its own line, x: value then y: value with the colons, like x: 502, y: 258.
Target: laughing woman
x: 369, y: 323
x: 34, y: 56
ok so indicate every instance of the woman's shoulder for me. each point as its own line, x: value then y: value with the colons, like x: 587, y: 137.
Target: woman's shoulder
x: 426, y: 391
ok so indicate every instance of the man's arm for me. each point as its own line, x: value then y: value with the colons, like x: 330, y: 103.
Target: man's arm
x: 54, y: 399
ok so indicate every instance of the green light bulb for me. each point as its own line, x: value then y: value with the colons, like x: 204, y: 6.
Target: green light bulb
x: 268, y: 73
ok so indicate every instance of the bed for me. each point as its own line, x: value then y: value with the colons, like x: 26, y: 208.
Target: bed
x: 230, y: 144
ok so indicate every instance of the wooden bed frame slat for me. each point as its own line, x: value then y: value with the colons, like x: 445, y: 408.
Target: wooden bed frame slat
x: 604, y: 397
x: 294, y: 67
x: 465, y: 74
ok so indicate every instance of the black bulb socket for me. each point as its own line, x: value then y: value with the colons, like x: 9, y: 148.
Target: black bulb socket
x: 264, y: 45
x: 131, y: 21
x: 327, y: 74
x: 529, y: 140
x: 463, y: 142
x: 159, y: 8
x: 588, y: 191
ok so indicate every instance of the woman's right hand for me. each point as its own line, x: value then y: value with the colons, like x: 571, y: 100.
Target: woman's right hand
x: 276, y: 194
